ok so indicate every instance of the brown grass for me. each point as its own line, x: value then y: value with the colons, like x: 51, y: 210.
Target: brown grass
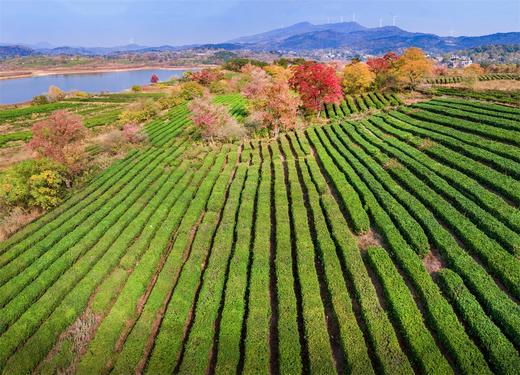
x: 369, y: 239
x: 426, y: 144
x: 14, y: 154
x: 16, y: 219
x: 499, y: 84
x: 432, y: 262
x: 391, y: 164
x: 78, y: 335
x: 414, y: 97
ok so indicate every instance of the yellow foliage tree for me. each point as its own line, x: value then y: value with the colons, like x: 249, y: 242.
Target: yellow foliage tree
x: 473, y: 70
x: 357, y: 77
x: 278, y: 72
x: 412, y: 66
x: 54, y: 93
x: 471, y: 74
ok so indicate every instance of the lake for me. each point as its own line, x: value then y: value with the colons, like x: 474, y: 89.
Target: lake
x: 23, y: 89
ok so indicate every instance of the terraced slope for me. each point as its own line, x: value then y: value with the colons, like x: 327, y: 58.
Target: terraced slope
x: 507, y: 97
x: 236, y: 103
x: 388, y: 245
x: 360, y: 103
x: 15, y: 123
x: 483, y: 77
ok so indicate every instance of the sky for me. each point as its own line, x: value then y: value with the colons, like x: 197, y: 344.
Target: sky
x: 179, y: 22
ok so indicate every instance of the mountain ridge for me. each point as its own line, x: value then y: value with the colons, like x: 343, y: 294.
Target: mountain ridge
x: 302, y: 36
x: 366, y: 40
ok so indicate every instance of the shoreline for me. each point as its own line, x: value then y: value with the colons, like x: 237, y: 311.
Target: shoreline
x: 92, y: 70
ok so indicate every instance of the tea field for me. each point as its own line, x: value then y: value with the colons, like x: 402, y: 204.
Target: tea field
x: 385, y: 245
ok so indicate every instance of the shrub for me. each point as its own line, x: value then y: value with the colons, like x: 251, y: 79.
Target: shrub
x: 139, y: 112
x: 136, y: 88
x: 214, y: 120
x: 46, y: 189
x: 39, y: 100
x: 133, y: 133
x: 55, y: 93
x: 187, y: 91
x: 165, y: 103
x: 79, y: 94
x: 33, y: 183
x: 180, y: 93
x: 219, y: 87
x: 111, y: 142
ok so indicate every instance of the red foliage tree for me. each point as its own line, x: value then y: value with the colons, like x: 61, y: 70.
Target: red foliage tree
x: 378, y: 64
x: 55, y: 136
x: 382, y: 64
x: 206, y: 76
x: 391, y: 57
x: 317, y: 84
x: 154, y: 78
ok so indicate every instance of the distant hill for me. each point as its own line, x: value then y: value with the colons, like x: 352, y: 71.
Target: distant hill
x: 26, y: 50
x: 15, y: 51
x: 279, y: 35
x: 89, y: 51
x: 303, y: 36
x: 306, y: 36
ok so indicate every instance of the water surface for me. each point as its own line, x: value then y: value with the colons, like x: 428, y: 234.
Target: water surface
x: 23, y: 89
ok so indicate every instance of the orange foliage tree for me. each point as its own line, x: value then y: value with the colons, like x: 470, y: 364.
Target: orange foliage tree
x: 412, y: 66
x: 272, y: 104
x: 276, y: 109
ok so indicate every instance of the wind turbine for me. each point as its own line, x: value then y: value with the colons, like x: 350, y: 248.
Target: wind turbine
x: 393, y: 20
x: 353, y: 17
x: 380, y: 22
